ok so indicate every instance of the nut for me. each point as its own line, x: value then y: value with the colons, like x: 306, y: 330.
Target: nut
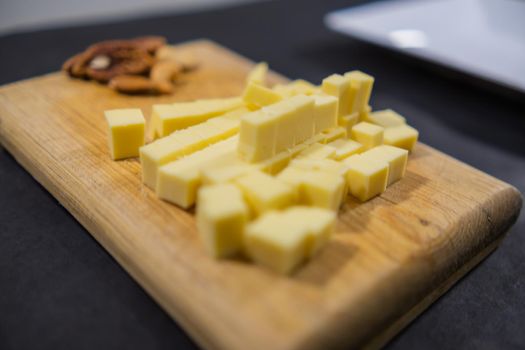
x: 165, y: 71
x: 136, y: 84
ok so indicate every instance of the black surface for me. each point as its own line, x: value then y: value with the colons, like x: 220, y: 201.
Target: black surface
x: 59, y: 289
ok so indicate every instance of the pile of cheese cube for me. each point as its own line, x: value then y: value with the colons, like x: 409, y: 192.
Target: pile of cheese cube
x: 268, y: 170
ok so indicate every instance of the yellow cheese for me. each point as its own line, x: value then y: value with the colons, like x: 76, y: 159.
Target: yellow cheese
x: 386, y: 118
x: 166, y: 119
x: 361, y: 83
x: 236, y: 113
x: 369, y: 135
x: 264, y: 192
x: 402, y: 136
x: 296, y: 87
x: 395, y: 157
x: 126, y: 132
x: 317, y: 151
x: 281, y: 242
x: 278, y: 162
x: 221, y: 222
x: 225, y: 173
x: 364, y: 116
x: 181, y: 143
x: 321, y: 189
x: 366, y: 177
x: 339, y: 86
x: 345, y: 148
x: 259, y: 95
x: 348, y: 121
x: 178, y: 181
x: 258, y: 74
x: 327, y: 165
x: 275, y: 128
x: 334, y: 134
x: 325, y: 112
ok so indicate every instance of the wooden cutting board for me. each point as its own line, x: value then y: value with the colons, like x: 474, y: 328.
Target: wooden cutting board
x: 391, y: 257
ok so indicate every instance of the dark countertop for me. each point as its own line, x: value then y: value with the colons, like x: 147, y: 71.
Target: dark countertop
x: 59, y: 289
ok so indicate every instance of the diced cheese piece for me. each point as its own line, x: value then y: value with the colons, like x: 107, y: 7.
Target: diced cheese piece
x: 369, y: 135
x: 225, y: 173
x: 275, y: 128
x: 264, y: 192
x: 258, y: 74
x: 362, y: 84
x: 126, y: 132
x: 296, y: 87
x: 235, y: 114
x: 317, y: 151
x: 182, y: 143
x: 386, y: 118
x: 221, y: 222
x: 364, y: 116
x: 320, y: 224
x: 366, y: 177
x: 281, y: 241
x: 402, y: 136
x: 334, y: 134
x: 278, y: 162
x: 165, y: 119
x: 327, y: 165
x: 325, y: 112
x: 339, y: 86
x: 321, y: 189
x: 348, y: 121
x: 395, y: 157
x: 345, y: 148
x: 178, y: 181
x: 259, y: 95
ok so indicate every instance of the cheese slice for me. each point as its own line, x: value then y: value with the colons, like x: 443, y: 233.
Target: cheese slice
x: 167, y: 118
x: 325, y: 112
x: 281, y: 242
x: 259, y: 95
x: 386, y: 118
x: 361, y: 83
x: 178, y: 181
x: 182, y: 143
x: 258, y: 74
x: 394, y: 156
x: 345, y: 148
x: 402, y: 136
x: 275, y: 128
x: 366, y: 177
x: 264, y: 192
x: 126, y: 132
x: 221, y: 223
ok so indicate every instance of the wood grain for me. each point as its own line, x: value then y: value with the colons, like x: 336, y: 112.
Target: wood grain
x: 390, y: 258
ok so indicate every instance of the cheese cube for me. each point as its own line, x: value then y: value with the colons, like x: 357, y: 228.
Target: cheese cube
x: 321, y: 189
x: 402, y: 136
x: 281, y: 241
x: 259, y: 95
x: 317, y: 151
x: 264, y: 192
x: 221, y: 222
x: 348, y: 121
x: 178, y: 181
x: 165, y: 119
x: 296, y: 87
x: 258, y: 74
x: 275, y: 128
x: 386, y: 118
x: 395, y: 157
x: 364, y: 116
x: 327, y: 165
x: 362, y: 84
x: 225, y: 173
x: 182, y: 143
x: 325, y: 112
x: 334, y: 134
x: 369, y: 135
x: 366, y: 177
x: 126, y: 132
x: 339, y: 86
x: 345, y: 148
